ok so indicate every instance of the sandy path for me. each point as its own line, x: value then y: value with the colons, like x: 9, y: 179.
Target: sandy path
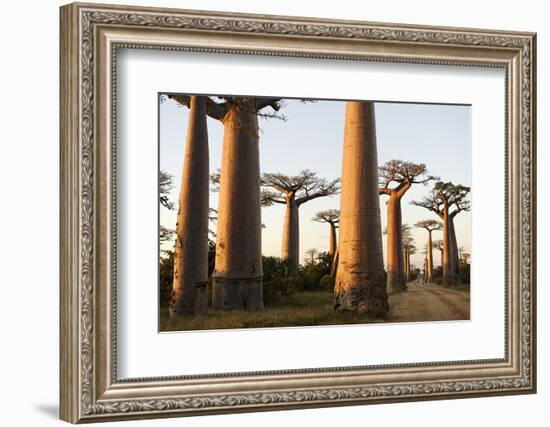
x: 428, y: 303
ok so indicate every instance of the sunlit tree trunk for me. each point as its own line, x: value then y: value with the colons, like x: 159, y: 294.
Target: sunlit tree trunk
x: 332, y: 245
x: 454, y: 250
x: 447, y: 256
x: 334, y: 265
x: 189, y: 293
x: 408, y: 266
x: 360, y: 286
x: 450, y: 273
x: 291, y: 234
x: 430, y: 263
x: 407, y: 263
x: 237, y: 277
x: 396, y: 274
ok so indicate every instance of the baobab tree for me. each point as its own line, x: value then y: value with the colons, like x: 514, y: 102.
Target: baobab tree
x: 429, y: 225
x: 396, y: 177
x: 312, y: 253
x: 360, y: 280
x: 166, y: 183
x: 189, y: 286
x: 165, y: 234
x: 237, y: 277
x: 409, y: 248
x: 294, y: 191
x: 330, y: 217
x: 426, y: 267
x: 447, y: 200
x: 438, y: 244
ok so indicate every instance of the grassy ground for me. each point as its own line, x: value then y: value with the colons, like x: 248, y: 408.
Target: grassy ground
x: 301, y: 309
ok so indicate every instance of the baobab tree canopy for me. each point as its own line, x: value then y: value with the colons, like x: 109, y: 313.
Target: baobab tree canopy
x: 454, y: 196
x: 329, y: 216
x: 398, y: 175
x: 302, y: 188
x: 429, y: 224
x: 218, y: 107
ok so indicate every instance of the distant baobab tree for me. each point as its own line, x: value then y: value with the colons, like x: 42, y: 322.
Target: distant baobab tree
x: 438, y: 244
x: 294, y: 191
x: 312, y: 253
x: 360, y: 280
x: 409, y: 248
x: 429, y: 225
x: 447, y: 200
x: 332, y: 218
x: 165, y: 234
x: 395, y: 179
x: 166, y: 183
x: 463, y: 255
x: 237, y: 277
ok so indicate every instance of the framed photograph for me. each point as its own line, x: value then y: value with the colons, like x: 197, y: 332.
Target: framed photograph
x: 266, y: 212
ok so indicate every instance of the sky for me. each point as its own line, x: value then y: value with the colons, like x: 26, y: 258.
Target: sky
x: 311, y: 138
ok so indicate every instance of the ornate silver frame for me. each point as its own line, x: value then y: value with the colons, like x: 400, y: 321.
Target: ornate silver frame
x: 90, y: 35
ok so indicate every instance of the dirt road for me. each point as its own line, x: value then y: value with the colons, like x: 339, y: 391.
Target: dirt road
x: 429, y: 302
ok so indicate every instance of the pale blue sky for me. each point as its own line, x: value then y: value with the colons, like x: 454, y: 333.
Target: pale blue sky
x: 311, y: 138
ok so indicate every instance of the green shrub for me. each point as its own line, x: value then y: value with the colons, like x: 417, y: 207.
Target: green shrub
x: 464, y: 271
x: 326, y: 283
x: 166, y: 275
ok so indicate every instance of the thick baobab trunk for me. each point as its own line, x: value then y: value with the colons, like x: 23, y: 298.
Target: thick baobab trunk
x: 405, y: 264
x: 454, y: 250
x: 426, y: 269
x: 237, y: 277
x: 291, y: 235
x: 446, y: 249
x: 360, y: 285
x: 396, y: 274
x: 334, y: 265
x: 189, y: 293
x: 408, y: 266
x: 332, y: 246
x: 407, y: 261
x: 429, y: 256
x: 450, y: 277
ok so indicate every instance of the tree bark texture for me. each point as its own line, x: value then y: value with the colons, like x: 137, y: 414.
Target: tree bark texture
x: 450, y: 274
x: 396, y: 281
x: 360, y: 283
x: 189, y: 293
x: 291, y: 234
x: 454, y: 250
x: 408, y: 276
x: 237, y: 277
x: 430, y: 258
x: 332, y: 244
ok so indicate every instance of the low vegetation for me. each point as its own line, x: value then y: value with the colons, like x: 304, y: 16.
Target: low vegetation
x: 301, y: 308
